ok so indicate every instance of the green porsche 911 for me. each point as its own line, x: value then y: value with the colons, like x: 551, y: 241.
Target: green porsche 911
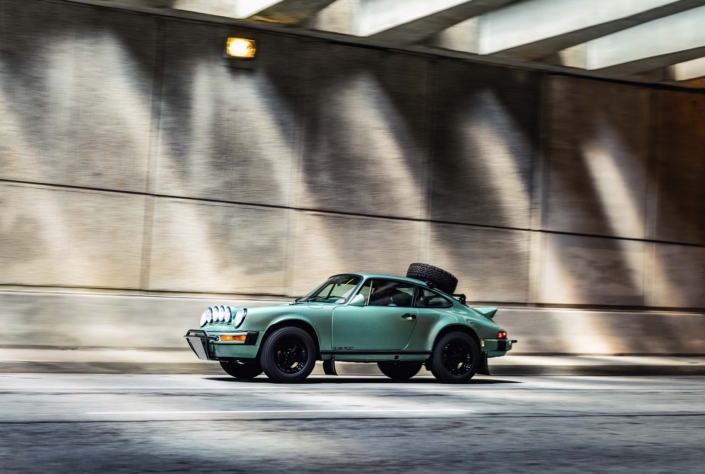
x: 400, y: 323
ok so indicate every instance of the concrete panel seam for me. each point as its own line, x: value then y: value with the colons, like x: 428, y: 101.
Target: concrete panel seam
x: 651, y: 205
x: 153, y: 153
x: 296, y: 169
x: 112, y: 292
x: 429, y: 131
x: 352, y: 214
x: 539, y: 194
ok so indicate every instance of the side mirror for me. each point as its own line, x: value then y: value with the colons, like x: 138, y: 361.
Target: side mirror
x: 359, y: 300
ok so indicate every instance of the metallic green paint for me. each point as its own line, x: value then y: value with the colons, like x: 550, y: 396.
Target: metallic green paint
x: 365, y: 333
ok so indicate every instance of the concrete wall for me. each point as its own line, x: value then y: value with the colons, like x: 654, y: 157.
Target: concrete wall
x: 141, y: 177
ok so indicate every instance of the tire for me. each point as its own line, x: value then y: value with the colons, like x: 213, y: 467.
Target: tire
x: 455, y: 358
x: 437, y: 277
x: 400, y: 370
x: 241, y: 370
x: 288, y: 355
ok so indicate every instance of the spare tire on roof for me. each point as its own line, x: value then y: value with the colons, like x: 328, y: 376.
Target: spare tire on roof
x: 434, y: 276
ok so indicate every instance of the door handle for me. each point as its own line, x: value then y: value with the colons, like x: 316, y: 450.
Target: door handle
x: 408, y: 316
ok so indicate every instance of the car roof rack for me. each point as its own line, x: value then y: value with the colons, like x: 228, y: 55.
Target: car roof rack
x: 460, y: 297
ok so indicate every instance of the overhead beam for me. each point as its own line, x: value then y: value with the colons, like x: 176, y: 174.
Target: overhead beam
x: 226, y: 8
x: 534, y: 29
x: 412, y: 21
x: 292, y: 12
x: 657, y: 44
x: 279, y: 11
x: 688, y: 70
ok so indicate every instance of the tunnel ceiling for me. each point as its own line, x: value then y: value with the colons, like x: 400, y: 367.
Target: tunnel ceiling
x: 642, y: 40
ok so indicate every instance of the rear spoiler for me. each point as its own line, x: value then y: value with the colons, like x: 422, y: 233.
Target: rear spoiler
x: 487, y: 312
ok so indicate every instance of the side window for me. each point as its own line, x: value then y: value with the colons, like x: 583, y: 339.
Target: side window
x: 429, y: 299
x: 390, y: 293
x: 343, y: 287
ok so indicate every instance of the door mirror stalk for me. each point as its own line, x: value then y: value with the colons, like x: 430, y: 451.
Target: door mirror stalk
x: 358, y: 300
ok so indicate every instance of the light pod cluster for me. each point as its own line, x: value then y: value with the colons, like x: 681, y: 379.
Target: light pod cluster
x: 223, y: 314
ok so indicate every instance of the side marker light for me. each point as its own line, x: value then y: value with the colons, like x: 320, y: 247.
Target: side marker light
x: 231, y: 338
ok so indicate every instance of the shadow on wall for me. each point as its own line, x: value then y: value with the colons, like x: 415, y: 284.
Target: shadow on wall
x: 76, y: 111
x: 680, y: 201
x: 364, y: 152
x: 226, y: 134
x: 364, y: 132
x: 598, y: 186
x: 81, y: 103
x: 485, y: 143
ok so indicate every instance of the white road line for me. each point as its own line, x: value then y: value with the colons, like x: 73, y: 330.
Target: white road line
x: 126, y: 387
x: 326, y: 389
x: 245, y: 412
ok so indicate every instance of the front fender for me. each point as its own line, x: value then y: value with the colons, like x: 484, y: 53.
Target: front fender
x: 321, y: 325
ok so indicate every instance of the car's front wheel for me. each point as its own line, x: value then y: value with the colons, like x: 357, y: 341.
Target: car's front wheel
x: 455, y: 358
x: 288, y: 355
x: 241, y: 370
x: 400, y: 370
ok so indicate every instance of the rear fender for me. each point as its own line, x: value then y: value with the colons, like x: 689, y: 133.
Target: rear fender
x: 477, y: 326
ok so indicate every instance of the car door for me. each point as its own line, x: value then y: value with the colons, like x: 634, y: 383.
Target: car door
x: 385, y: 323
x: 324, y: 300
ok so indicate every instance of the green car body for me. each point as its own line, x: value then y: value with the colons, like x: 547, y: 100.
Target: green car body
x: 353, y: 330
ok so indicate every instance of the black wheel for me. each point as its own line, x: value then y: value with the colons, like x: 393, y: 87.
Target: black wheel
x: 455, y: 358
x: 437, y: 277
x: 400, y: 370
x: 241, y: 370
x: 288, y: 355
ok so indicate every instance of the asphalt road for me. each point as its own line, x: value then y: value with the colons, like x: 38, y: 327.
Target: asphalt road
x: 170, y: 423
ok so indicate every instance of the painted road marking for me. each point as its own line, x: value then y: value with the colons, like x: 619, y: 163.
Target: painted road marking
x: 245, y: 412
x: 332, y: 388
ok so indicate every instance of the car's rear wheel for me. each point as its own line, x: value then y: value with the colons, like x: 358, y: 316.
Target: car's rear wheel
x: 288, y: 355
x: 400, y: 370
x: 455, y: 358
x: 241, y: 370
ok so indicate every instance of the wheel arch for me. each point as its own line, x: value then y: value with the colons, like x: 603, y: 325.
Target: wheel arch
x: 292, y: 322
x: 460, y: 328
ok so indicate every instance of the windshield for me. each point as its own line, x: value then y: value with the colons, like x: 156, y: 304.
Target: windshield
x: 337, y: 289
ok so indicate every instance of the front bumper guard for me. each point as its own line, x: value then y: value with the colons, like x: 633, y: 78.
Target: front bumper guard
x: 201, y: 342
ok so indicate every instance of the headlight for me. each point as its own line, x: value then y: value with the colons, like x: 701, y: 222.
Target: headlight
x: 204, y: 317
x: 240, y: 317
x: 228, y: 314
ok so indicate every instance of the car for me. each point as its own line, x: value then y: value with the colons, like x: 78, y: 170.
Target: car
x: 400, y: 323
